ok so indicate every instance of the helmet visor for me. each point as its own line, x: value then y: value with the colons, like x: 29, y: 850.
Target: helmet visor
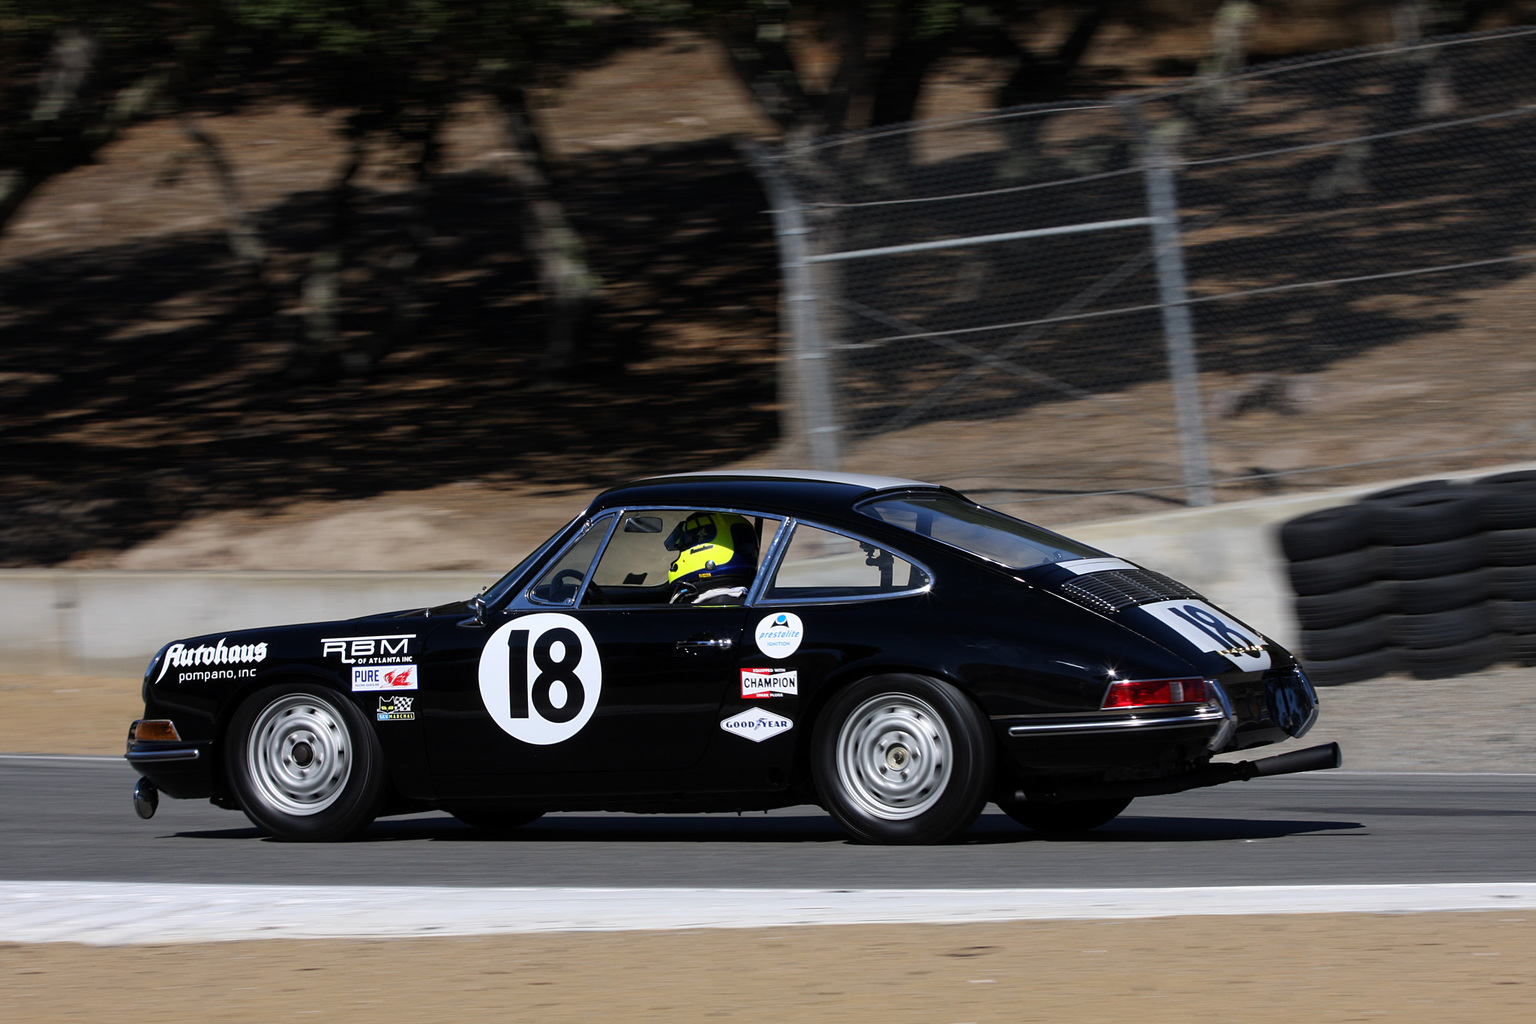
x: 696, y: 529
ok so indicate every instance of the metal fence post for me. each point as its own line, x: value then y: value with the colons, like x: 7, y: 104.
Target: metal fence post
x: 805, y: 377
x: 1178, y: 328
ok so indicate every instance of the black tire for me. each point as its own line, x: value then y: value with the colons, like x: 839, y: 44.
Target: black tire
x: 1520, y: 648
x: 304, y: 764
x: 1519, y: 478
x: 1064, y: 819
x: 1512, y: 583
x: 1340, y: 608
x: 1442, y: 558
x: 1407, y: 490
x: 1441, y: 593
x: 1511, y: 547
x: 1336, y: 572
x: 494, y: 821
x: 902, y: 759
x: 1516, y: 617
x: 1423, y: 518
x: 1507, y: 501
x: 1344, y: 641
x: 1456, y: 660
x: 1441, y: 629
x: 1328, y: 531
x: 1354, y: 669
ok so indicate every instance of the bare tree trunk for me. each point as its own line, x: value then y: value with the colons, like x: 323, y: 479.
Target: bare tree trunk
x: 51, y: 141
x: 240, y: 229
x: 320, y: 354
x: 567, y: 283
x: 70, y: 64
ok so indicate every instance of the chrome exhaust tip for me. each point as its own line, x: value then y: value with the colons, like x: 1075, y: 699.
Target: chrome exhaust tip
x: 146, y: 798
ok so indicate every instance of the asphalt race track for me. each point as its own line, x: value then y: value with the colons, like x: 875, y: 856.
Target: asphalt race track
x: 71, y: 819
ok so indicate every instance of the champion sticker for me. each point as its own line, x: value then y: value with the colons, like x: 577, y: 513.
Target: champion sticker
x: 540, y: 677
x: 779, y: 634
x: 769, y: 682
x: 1214, y: 631
x: 368, y: 678
x: 757, y: 725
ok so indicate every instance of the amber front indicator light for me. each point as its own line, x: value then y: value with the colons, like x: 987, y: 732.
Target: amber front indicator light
x: 1151, y: 693
x: 153, y: 729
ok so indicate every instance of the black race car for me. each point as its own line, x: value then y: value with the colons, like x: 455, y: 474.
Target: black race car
x: 885, y: 648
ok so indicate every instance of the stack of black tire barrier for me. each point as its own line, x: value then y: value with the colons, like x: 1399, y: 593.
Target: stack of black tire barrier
x: 1433, y: 579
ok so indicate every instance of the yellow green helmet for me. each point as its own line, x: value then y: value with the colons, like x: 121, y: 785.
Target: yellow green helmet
x: 714, y: 549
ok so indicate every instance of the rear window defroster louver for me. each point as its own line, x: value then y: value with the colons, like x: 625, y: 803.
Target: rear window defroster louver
x: 1118, y: 589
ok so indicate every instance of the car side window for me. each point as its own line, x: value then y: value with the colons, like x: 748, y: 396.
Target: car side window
x: 562, y: 581
x: 821, y: 564
x: 637, y: 566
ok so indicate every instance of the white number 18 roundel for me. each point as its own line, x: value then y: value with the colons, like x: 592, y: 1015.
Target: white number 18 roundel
x: 540, y: 677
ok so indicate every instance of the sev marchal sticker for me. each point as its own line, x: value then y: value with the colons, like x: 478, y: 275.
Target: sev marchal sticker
x: 769, y: 682
x: 757, y: 725
x: 540, y: 677
x: 778, y: 635
x: 1214, y: 631
x: 396, y: 708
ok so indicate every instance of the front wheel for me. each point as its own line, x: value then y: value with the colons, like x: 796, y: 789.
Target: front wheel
x: 902, y: 759
x: 304, y: 764
x: 1065, y: 819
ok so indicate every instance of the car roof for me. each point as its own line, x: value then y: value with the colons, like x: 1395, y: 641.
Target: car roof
x: 765, y: 490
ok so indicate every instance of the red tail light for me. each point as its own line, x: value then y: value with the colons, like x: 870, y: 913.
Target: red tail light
x: 1139, y: 693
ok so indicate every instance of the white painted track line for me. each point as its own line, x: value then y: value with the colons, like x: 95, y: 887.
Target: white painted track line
x: 113, y: 913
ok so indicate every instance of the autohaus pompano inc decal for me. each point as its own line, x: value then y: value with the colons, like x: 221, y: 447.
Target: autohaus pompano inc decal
x: 182, y: 656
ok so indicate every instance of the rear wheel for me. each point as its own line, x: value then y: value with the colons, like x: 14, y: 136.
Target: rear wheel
x: 1065, y: 819
x: 304, y: 764
x: 902, y: 759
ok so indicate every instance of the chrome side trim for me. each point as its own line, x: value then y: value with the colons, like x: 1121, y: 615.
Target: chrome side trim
x: 1206, y: 715
x: 175, y: 754
x: 1223, y: 735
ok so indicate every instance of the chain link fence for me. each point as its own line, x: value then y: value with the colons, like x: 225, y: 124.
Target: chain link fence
x: 1308, y: 274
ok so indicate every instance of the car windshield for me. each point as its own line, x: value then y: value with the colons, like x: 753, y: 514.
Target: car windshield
x: 974, y: 528
x: 496, y: 590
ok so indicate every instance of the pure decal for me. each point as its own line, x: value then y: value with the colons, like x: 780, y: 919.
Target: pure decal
x: 369, y: 650
x: 540, y: 677
x: 769, y: 682
x: 368, y: 678
x: 779, y: 634
x: 756, y: 725
x: 396, y: 708
x: 1214, y: 631
x: 215, y: 658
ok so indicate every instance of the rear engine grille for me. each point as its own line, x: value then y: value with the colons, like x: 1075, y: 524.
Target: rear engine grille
x: 1119, y: 589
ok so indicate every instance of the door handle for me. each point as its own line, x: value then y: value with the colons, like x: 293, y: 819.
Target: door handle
x: 712, y: 644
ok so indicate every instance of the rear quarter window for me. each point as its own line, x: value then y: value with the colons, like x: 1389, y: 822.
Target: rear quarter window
x: 821, y: 564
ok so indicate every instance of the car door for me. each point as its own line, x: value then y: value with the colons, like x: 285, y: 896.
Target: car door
x: 827, y: 600
x: 589, y: 679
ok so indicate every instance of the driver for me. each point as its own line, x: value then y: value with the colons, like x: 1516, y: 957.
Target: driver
x: 716, y: 559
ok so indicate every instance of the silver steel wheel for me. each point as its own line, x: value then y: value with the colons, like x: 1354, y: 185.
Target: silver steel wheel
x: 894, y: 756
x: 299, y: 755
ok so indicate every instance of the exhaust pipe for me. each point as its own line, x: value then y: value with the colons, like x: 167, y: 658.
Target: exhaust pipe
x: 1311, y: 759
x: 146, y: 798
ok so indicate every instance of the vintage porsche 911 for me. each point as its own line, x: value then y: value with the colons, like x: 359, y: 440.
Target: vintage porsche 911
x: 887, y: 649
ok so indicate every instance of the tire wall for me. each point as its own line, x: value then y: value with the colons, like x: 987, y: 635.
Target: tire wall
x: 1431, y: 579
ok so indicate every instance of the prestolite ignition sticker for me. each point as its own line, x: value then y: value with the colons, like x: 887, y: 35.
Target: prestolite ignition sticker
x: 779, y: 635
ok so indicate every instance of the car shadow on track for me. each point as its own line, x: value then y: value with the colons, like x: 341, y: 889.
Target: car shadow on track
x: 989, y: 830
